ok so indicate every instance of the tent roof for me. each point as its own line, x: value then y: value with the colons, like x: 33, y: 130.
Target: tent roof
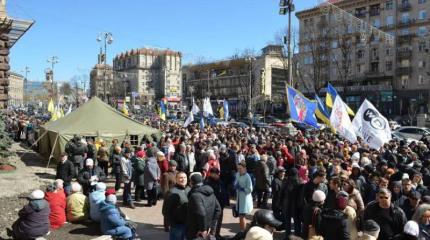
x: 96, y: 118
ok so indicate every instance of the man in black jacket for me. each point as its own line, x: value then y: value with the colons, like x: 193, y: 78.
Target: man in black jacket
x: 76, y: 150
x: 390, y: 218
x: 333, y: 224
x: 181, y: 159
x: 175, y: 208
x: 317, y: 183
x: 90, y: 175
x: 65, y: 171
x: 203, y: 209
x: 221, y: 195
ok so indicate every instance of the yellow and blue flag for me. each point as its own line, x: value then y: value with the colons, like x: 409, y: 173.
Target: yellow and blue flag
x: 331, y: 96
x: 322, y: 112
x: 302, y: 110
x: 163, y: 109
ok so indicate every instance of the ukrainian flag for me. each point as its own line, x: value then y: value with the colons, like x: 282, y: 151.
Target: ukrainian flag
x: 322, y: 113
x: 331, y: 96
x: 163, y: 109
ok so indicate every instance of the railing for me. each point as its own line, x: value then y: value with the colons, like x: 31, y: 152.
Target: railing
x: 360, y: 14
x: 405, y: 7
x: 406, y: 23
x: 404, y: 54
x: 364, y: 88
x: 404, y: 70
x: 374, y: 12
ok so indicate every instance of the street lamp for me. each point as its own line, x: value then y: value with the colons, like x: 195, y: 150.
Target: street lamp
x: 53, y: 60
x: 287, y: 6
x: 107, y: 38
x: 250, y: 59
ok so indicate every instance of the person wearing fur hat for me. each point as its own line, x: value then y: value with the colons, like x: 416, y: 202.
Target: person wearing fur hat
x: 334, y: 224
x: 33, y: 220
x: 77, y: 205
x: 57, y: 203
x: 312, y: 212
x: 410, y: 232
x: 95, y: 199
x: 90, y: 175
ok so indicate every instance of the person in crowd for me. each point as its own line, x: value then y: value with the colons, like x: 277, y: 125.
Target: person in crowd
x: 182, y: 159
x: 92, y: 151
x: 175, y: 208
x: 116, y: 166
x: 371, y: 230
x: 390, y: 218
x: 397, y: 197
x: 276, y: 193
x: 312, y: 214
x: 77, y: 152
x: 191, y: 158
x: 56, y: 198
x: 33, y: 218
x: 103, y: 157
x: 168, y: 178
x: 406, y: 186
x: 214, y: 181
x: 354, y: 199
x: 139, y: 176
x: 162, y: 162
x: 422, y: 217
x: 203, y: 209
x: 334, y: 224
x: 152, y: 176
x: 243, y: 186
x: 95, y: 199
x: 410, y: 232
x: 90, y: 175
x: 262, y: 181
x: 292, y: 202
x: 111, y: 222
x: 127, y: 178
x: 65, y: 172
x: 77, y: 205
x: 411, y: 204
x: 317, y: 183
x: 263, y: 225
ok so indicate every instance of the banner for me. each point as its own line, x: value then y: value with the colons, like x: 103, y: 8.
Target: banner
x: 371, y: 126
x: 189, y: 120
x: 207, y: 107
x: 340, y: 121
x: 195, y: 109
x: 226, y: 112
x: 301, y: 109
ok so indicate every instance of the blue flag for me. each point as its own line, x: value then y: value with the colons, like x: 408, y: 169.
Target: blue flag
x: 226, y: 113
x: 301, y: 109
x: 202, y: 121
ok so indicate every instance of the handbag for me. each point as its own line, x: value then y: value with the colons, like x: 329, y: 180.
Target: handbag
x: 312, y: 233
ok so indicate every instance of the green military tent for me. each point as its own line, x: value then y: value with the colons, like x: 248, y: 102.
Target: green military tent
x: 94, y: 119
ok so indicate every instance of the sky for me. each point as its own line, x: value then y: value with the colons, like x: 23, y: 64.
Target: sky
x: 200, y: 29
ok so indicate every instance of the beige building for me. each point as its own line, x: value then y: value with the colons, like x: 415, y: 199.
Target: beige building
x: 374, y: 49
x: 101, y: 82
x: 263, y: 76
x: 150, y: 74
x: 16, y: 89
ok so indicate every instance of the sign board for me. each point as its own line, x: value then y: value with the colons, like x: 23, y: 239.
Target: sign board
x: 127, y: 99
x: 134, y: 94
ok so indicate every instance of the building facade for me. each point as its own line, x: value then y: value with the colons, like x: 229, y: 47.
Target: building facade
x: 261, y: 79
x: 148, y: 75
x: 101, y: 82
x: 16, y: 90
x: 36, y: 92
x: 374, y: 49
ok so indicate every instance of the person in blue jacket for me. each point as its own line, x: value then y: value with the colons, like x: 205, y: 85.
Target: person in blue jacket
x: 111, y: 221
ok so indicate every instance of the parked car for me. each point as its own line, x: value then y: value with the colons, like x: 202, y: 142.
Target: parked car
x: 238, y: 124
x: 399, y: 137
x: 394, y: 125
x: 274, y: 121
x: 413, y: 132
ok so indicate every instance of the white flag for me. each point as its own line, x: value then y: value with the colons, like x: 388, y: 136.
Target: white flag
x: 189, y: 120
x: 340, y: 121
x: 195, y: 109
x: 70, y: 109
x: 207, y: 108
x: 370, y: 125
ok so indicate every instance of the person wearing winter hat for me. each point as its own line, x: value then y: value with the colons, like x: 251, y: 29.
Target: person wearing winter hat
x: 422, y: 217
x: 90, y: 175
x: 370, y: 230
x: 77, y: 205
x: 33, y: 221
x: 95, y: 199
x: 111, y: 222
x: 312, y: 212
x: 411, y: 231
x: 334, y: 224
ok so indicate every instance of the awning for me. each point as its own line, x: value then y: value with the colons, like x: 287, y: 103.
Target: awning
x: 174, y: 99
x: 18, y: 29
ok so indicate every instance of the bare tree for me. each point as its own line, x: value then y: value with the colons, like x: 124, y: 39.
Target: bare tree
x: 66, y: 89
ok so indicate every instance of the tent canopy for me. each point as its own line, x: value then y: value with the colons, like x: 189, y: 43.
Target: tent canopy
x: 93, y: 119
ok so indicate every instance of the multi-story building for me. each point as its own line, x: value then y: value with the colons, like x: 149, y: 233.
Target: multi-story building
x: 36, y: 92
x: 16, y: 90
x: 374, y: 49
x: 261, y: 79
x: 150, y: 74
x: 101, y: 80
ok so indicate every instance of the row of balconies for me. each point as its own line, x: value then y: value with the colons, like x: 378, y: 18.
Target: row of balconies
x: 403, y: 7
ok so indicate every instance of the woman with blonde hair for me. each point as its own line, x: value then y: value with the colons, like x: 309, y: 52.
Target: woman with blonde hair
x: 243, y: 186
x: 422, y: 217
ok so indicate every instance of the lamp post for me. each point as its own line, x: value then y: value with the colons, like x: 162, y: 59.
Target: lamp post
x: 250, y: 59
x: 26, y: 71
x: 53, y: 60
x: 287, y: 6
x: 107, y: 38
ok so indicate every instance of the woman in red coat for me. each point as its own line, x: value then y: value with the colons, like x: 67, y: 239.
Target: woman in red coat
x: 163, y: 164
x: 57, y: 203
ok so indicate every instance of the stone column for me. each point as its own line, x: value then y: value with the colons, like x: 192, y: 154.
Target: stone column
x: 4, y: 65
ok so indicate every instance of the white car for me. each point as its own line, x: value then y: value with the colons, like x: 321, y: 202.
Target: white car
x: 399, y: 137
x: 413, y: 132
x: 394, y: 125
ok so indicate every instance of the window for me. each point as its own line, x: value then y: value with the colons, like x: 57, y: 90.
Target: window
x: 404, y: 32
x: 405, y: 79
x: 374, y: 53
x: 389, y: 5
x: 374, y: 67
x: 134, y: 140
x: 405, y: 63
x: 376, y: 23
x: 422, y: 31
x: 422, y: 14
x: 421, y: 1
x: 390, y: 20
x: 360, y: 54
x: 334, y: 44
x: 405, y: 18
x: 389, y: 65
x: 420, y: 79
x: 421, y: 64
x: 388, y: 51
x: 422, y: 46
x: 359, y: 69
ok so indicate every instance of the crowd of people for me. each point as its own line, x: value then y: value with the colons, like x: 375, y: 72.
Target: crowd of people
x: 320, y: 186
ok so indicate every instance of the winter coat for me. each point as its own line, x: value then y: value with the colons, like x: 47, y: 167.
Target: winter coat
x: 92, y: 152
x: 203, y: 210
x: 110, y: 218
x: 355, y: 201
x: 33, y: 220
x: 84, y: 177
x: 220, y: 191
x: 116, y: 163
x: 276, y: 193
x: 243, y: 186
x: 163, y: 165
x: 181, y: 159
x: 168, y: 180
x: 291, y: 198
x: 310, y: 187
x: 57, y: 204
x: 127, y: 170
x: 333, y: 225
x: 424, y: 232
x: 404, y: 236
x: 77, y: 151
x: 103, y: 154
x: 77, y: 207
x: 65, y: 171
x: 351, y: 222
x: 258, y: 233
x: 175, y: 206
x: 309, y: 218
x: 95, y: 199
x: 152, y: 173
x: 262, y: 177
x: 396, y: 221
x: 139, y: 169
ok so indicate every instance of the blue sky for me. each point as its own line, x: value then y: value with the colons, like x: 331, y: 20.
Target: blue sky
x: 198, y: 28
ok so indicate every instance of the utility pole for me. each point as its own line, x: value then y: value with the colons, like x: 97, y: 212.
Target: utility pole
x: 53, y: 60
x: 287, y: 6
x: 108, y: 39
